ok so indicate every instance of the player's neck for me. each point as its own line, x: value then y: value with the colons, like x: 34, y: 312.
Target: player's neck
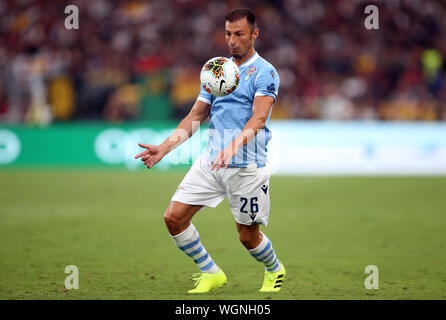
x: 246, y: 57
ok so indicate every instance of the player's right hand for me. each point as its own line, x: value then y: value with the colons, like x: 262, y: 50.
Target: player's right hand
x: 151, y: 156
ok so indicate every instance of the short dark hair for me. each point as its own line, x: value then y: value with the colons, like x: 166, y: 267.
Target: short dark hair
x: 240, y: 13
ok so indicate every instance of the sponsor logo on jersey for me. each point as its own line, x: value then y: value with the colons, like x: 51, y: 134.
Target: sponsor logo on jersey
x: 271, y: 88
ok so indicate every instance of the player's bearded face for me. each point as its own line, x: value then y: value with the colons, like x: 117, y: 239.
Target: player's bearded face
x: 240, y: 37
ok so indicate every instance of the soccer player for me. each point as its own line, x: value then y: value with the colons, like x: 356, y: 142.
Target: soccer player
x: 233, y: 165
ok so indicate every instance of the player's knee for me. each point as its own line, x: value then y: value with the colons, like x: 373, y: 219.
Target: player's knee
x: 174, y: 221
x: 247, y: 239
x: 171, y: 220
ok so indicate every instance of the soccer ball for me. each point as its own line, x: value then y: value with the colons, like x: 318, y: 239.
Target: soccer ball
x: 220, y: 76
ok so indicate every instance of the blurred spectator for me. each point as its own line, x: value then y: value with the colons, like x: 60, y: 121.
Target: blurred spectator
x: 137, y: 59
x: 185, y: 89
x: 123, y: 104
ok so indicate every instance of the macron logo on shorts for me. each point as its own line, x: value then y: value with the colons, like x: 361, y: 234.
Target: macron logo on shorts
x: 264, y: 188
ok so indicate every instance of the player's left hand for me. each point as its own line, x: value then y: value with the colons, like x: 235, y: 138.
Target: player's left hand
x: 224, y: 158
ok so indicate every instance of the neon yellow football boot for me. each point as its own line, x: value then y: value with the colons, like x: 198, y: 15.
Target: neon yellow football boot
x: 273, y: 281
x: 206, y: 282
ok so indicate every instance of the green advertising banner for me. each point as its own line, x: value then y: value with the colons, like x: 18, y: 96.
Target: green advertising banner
x: 297, y: 147
x: 92, y: 144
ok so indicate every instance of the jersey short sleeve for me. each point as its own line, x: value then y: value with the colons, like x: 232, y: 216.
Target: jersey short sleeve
x: 267, y: 83
x: 205, y: 96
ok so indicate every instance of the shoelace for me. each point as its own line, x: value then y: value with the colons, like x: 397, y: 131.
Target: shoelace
x: 270, y: 276
x: 197, y: 277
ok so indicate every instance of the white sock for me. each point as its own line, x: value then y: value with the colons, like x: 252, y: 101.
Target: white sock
x: 264, y: 253
x: 189, y: 242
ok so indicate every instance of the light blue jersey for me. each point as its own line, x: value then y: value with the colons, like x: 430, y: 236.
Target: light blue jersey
x: 229, y: 114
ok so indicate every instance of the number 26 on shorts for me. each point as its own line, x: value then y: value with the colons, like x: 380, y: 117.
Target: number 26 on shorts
x: 253, y: 205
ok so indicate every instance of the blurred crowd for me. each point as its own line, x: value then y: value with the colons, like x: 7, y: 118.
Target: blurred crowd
x: 140, y: 60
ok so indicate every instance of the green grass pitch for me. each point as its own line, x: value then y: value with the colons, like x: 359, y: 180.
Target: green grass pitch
x: 326, y: 230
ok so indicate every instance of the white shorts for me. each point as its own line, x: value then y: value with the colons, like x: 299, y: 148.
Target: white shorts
x: 247, y: 190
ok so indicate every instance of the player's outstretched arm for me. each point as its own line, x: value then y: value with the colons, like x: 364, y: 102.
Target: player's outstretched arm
x: 260, y: 110
x: 187, y: 127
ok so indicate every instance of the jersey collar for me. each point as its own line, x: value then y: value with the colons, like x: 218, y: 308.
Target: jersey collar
x: 249, y: 61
